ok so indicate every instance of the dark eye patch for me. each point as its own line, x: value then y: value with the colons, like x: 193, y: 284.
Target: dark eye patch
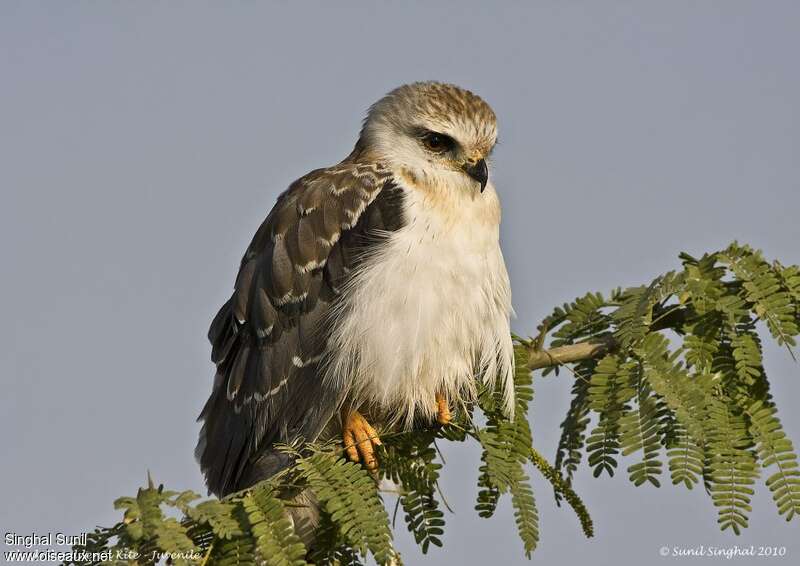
x: 437, y: 142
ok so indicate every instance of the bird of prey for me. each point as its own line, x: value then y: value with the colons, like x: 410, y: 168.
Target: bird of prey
x: 373, y: 295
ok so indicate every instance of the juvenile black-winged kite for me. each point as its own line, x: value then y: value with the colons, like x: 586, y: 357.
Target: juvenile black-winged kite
x: 373, y: 294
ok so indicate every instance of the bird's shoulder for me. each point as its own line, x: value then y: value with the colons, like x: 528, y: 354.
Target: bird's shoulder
x: 308, y: 243
x: 310, y: 216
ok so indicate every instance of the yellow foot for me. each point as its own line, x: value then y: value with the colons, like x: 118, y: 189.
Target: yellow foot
x: 442, y: 410
x: 360, y: 439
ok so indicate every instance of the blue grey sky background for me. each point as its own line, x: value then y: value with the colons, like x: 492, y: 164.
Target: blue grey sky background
x: 142, y: 143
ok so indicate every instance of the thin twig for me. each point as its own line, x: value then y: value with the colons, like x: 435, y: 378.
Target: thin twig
x: 444, y: 499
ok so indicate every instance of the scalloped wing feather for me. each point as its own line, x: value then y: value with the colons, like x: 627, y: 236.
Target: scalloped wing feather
x: 270, y: 336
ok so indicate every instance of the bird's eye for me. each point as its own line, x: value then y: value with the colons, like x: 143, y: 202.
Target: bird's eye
x: 438, y: 143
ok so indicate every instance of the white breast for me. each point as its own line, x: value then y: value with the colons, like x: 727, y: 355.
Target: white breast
x: 429, y: 310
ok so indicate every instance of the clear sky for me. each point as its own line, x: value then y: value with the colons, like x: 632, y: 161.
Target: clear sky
x: 141, y: 144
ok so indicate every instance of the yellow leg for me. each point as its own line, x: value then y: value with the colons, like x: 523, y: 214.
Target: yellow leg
x: 360, y: 439
x: 442, y: 410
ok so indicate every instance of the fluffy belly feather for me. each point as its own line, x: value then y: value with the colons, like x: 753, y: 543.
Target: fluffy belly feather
x: 427, y: 312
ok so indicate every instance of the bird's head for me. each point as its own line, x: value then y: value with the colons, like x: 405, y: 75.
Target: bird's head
x: 434, y: 133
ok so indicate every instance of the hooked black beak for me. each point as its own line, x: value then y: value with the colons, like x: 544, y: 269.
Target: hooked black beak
x: 478, y: 171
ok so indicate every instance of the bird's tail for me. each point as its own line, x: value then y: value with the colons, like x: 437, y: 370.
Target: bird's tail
x: 302, y: 507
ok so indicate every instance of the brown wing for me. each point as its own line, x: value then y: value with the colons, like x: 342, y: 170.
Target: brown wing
x: 269, y: 338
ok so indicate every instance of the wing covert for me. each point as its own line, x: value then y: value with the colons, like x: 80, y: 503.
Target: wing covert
x: 269, y: 337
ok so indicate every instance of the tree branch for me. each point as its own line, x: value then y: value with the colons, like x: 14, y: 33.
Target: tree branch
x: 573, y: 353
x: 672, y: 317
